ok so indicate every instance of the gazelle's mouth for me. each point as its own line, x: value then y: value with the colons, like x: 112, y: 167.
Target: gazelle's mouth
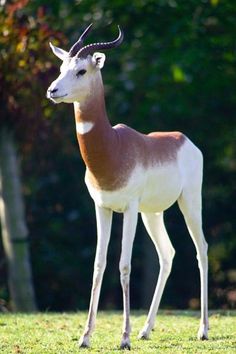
x: 57, y: 97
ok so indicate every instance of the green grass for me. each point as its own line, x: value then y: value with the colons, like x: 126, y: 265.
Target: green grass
x: 175, y: 332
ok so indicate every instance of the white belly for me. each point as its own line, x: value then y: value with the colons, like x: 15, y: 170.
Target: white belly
x: 156, y: 189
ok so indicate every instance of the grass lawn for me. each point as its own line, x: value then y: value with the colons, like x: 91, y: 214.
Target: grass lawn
x: 175, y: 332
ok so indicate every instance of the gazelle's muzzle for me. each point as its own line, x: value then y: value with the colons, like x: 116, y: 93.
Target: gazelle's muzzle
x: 54, y: 94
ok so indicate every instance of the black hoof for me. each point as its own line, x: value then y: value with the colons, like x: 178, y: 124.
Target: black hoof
x: 204, y: 337
x: 125, y: 346
x: 84, y: 343
x: 143, y: 337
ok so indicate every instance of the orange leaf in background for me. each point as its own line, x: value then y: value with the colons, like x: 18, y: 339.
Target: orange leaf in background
x: 17, y: 5
x: 45, y: 31
x: 23, y: 31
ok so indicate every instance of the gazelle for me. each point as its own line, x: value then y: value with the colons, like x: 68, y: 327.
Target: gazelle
x: 129, y: 172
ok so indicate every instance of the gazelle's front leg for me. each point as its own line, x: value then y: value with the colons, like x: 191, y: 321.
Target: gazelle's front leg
x: 104, y: 218
x: 129, y: 228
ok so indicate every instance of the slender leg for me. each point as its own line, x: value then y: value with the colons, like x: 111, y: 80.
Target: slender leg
x: 129, y: 228
x: 190, y: 205
x: 155, y: 226
x: 104, y: 218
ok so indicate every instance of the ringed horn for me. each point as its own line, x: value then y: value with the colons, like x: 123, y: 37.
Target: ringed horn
x: 79, y: 44
x: 91, y: 48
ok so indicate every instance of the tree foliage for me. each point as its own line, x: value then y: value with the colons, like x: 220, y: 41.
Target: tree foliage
x: 175, y: 71
x: 25, y: 66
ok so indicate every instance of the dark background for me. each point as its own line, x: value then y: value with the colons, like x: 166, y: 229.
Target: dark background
x: 176, y: 70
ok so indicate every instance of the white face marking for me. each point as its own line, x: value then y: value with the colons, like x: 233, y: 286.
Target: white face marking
x: 77, y: 77
x: 84, y: 127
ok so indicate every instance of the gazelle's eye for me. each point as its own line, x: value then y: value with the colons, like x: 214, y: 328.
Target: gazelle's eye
x: 81, y: 72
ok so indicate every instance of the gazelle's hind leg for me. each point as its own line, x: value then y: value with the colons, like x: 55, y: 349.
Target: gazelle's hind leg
x: 190, y: 205
x: 155, y: 226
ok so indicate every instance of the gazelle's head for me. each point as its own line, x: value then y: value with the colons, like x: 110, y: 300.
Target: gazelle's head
x: 79, y: 70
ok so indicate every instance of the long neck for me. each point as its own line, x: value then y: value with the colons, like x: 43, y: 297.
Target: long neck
x: 93, y: 109
x: 94, y: 132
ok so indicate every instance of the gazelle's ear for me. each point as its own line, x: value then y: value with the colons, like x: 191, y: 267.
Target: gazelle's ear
x: 98, y: 60
x: 60, y: 53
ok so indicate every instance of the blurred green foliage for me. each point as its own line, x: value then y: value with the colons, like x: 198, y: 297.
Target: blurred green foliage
x: 176, y: 70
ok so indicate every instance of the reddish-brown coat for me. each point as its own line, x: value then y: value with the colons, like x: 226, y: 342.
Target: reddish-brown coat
x: 111, y: 153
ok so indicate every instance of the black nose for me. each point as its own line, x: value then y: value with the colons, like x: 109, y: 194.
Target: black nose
x: 53, y: 91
